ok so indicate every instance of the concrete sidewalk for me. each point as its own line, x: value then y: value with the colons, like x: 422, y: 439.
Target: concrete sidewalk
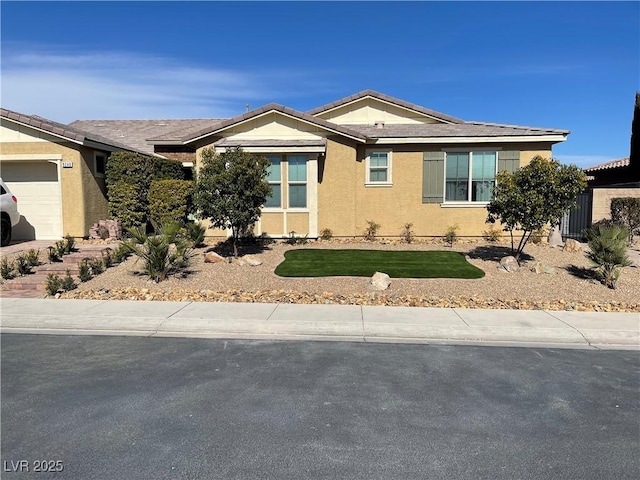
x: 322, y: 322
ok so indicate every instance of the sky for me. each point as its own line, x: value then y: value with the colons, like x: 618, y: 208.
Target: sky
x: 568, y: 65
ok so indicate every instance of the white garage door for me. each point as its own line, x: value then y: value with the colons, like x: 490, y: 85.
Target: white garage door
x: 36, y: 186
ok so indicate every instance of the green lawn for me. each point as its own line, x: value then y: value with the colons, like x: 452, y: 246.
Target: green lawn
x: 364, y: 263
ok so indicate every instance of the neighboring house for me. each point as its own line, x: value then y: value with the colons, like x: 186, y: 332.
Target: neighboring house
x: 364, y: 157
x: 57, y: 174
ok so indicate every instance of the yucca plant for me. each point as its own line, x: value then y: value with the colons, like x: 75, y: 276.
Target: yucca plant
x: 53, y: 284
x: 608, y: 245
x: 68, y: 283
x: 6, y: 269
x: 194, y: 231
x: 163, y: 253
x: 22, y: 264
x: 33, y: 257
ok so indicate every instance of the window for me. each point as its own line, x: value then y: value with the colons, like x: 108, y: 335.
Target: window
x: 274, y: 177
x: 297, y: 173
x: 378, y: 168
x: 100, y: 164
x: 470, y: 176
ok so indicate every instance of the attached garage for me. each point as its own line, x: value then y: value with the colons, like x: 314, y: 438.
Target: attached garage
x: 36, y: 184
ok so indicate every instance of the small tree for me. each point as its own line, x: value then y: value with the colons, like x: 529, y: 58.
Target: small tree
x: 231, y: 189
x: 534, y: 196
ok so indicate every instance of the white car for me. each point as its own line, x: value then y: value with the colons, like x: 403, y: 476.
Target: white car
x: 9, y: 211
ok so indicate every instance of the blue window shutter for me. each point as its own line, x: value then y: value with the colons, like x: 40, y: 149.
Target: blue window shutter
x: 433, y: 177
x: 508, y: 160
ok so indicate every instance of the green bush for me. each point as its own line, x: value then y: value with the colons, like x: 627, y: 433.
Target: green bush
x: 107, y: 258
x: 84, y: 270
x: 608, y: 251
x: 626, y: 211
x: 492, y: 234
x: 170, y: 201
x: 53, y: 255
x: 121, y: 253
x: 451, y: 234
x: 407, y: 234
x: 33, y: 257
x: 326, y: 234
x: 194, y: 232
x: 53, y: 284
x: 68, y: 283
x: 69, y: 244
x: 129, y: 177
x: 22, y: 264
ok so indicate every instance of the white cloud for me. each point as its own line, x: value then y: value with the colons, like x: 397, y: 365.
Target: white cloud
x: 66, y: 87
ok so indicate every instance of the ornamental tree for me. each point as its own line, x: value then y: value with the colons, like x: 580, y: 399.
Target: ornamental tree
x: 231, y: 189
x: 534, y: 196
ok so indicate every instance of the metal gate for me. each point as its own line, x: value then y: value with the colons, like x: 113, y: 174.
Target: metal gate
x: 578, y: 218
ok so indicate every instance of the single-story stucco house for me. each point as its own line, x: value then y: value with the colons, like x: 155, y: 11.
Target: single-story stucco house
x: 368, y: 156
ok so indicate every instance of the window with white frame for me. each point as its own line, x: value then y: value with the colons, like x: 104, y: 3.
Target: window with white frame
x: 297, y: 181
x: 274, y: 177
x: 378, y: 163
x: 470, y: 176
x: 100, y: 164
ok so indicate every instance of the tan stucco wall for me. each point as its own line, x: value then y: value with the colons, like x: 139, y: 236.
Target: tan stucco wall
x: 96, y: 206
x: 272, y: 224
x: 298, y: 222
x: 602, y: 200
x: 345, y: 204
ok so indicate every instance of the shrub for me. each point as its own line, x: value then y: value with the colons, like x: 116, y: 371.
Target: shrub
x: 170, y: 201
x: 451, y: 234
x: 407, y: 234
x: 128, y: 203
x: 96, y: 266
x: 22, y: 264
x: 296, y: 240
x: 53, y: 255
x: 33, y: 257
x: 160, y: 254
x: 194, y: 232
x: 608, y: 251
x: 538, y: 235
x: 626, y: 211
x: 60, y: 248
x: 107, y: 258
x: 326, y: 234
x: 69, y: 244
x: 68, y: 283
x: 84, y: 270
x: 53, y: 284
x: 371, y: 231
x: 121, y: 253
x: 6, y: 269
x: 492, y: 234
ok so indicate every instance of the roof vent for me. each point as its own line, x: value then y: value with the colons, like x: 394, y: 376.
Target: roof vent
x: 379, y: 124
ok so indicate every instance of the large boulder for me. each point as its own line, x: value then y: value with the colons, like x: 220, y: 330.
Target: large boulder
x: 540, y: 267
x: 555, y: 238
x: 249, y: 260
x: 508, y: 264
x: 213, y: 257
x: 380, y: 281
x: 572, y: 246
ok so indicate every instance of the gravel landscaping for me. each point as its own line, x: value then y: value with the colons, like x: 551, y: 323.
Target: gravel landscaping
x: 571, y: 287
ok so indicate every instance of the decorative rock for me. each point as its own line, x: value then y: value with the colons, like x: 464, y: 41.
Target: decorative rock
x: 540, y: 267
x: 508, y: 264
x: 213, y: 257
x: 380, y: 281
x: 252, y: 261
x: 572, y: 246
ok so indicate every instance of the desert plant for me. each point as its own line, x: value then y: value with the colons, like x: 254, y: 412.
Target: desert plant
x: 121, y: 253
x: 22, y: 264
x: 163, y: 253
x: 451, y: 234
x: 608, y: 251
x: 68, y: 283
x: 53, y: 284
x: 61, y: 249
x: 69, y: 244
x: 194, y: 232
x: 96, y: 265
x: 538, y: 235
x: 492, y: 234
x: 326, y: 234
x: 6, y: 269
x: 107, y: 258
x: 371, y: 231
x: 33, y: 257
x: 407, y: 234
x: 84, y: 270
x: 53, y: 255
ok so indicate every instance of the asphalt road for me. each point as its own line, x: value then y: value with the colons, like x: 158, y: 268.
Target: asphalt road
x: 161, y: 408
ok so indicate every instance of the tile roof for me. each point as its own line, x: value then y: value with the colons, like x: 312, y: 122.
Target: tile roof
x: 386, y: 98
x: 137, y: 132
x: 621, y: 162
x: 66, y: 131
x: 259, y: 111
x: 467, y: 129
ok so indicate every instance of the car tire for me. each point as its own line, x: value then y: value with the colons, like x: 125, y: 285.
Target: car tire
x: 5, y: 231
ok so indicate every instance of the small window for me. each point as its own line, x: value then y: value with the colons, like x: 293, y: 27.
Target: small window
x: 100, y: 164
x: 470, y: 176
x: 378, y: 164
x: 297, y: 173
x: 274, y: 177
